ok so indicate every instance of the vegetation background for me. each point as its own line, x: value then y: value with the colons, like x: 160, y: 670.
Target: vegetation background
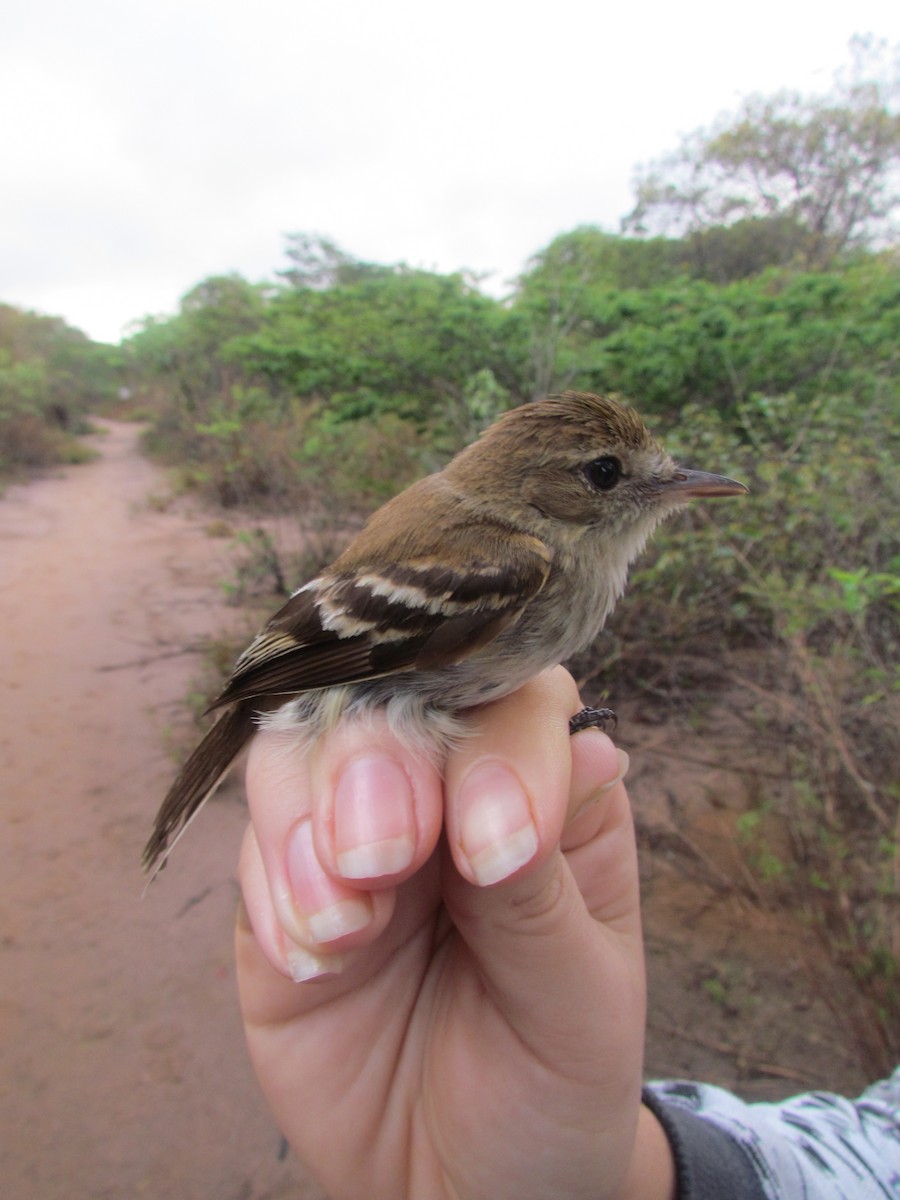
x: 750, y: 308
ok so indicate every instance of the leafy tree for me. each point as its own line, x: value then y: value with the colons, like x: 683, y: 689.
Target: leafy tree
x: 823, y: 168
x: 725, y: 253
x: 51, y: 375
x: 569, y: 283
x: 690, y: 340
x: 588, y: 256
x: 78, y: 373
x: 246, y: 379
x: 319, y: 263
x: 181, y: 365
x: 370, y: 339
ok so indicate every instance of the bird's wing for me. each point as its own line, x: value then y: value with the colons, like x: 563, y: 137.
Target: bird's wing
x: 361, y: 621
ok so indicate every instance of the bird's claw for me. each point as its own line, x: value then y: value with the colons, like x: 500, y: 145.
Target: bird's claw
x: 593, y: 718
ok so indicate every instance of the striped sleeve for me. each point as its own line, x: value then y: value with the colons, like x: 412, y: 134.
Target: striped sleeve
x: 816, y: 1146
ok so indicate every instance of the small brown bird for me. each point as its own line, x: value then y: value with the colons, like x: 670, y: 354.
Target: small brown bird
x: 457, y: 591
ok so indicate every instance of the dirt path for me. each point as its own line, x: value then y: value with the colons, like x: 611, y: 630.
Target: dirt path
x: 122, y: 1069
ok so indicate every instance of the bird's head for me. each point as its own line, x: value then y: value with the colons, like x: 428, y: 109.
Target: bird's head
x: 587, y: 463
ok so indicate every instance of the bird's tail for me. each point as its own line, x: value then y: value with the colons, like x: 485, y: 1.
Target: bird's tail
x: 196, y: 782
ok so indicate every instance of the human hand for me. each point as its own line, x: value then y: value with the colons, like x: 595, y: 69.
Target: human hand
x: 473, y: 1022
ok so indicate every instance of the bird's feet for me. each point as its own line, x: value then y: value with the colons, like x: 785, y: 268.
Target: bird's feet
x: 593, y: 718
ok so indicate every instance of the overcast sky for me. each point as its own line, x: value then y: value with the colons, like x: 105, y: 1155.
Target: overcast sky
x: 148, y: 144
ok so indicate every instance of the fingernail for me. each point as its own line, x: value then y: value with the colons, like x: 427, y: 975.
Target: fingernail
x: 374, y: 818
x: 305, y: 966
x: 624, y: 763
x: 327, y: 910
x: 497, y: 833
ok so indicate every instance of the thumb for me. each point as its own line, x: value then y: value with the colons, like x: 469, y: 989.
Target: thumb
x: 558, y: 937
x: 545, y: 953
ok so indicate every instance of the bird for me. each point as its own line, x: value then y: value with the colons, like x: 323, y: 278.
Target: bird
x: 455, y: 592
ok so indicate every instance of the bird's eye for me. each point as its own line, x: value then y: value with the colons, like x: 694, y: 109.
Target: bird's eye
x: 604, y: 473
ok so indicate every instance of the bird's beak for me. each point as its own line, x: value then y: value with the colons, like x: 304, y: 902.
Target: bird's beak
x: 687, y: 484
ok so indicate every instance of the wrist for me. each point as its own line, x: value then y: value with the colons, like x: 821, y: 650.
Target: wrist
x: 651, y: 1172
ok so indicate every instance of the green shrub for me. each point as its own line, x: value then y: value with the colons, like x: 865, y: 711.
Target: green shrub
x: 791, y: 595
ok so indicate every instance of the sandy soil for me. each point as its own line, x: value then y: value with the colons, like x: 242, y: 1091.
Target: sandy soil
x: 122, y: 1065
